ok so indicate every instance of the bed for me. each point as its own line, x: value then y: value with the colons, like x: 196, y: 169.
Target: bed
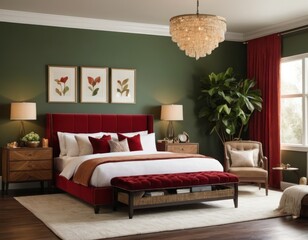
x: 98, y: 194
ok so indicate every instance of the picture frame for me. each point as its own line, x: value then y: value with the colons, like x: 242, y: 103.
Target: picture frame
x: 94, y: 85
x: 123, y: 85
x: 62, y: 84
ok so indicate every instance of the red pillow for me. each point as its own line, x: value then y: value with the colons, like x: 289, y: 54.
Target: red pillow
x: 100, y: 145
x: 134, y: 142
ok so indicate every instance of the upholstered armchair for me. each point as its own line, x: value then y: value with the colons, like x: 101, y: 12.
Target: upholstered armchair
x: 245, y: 159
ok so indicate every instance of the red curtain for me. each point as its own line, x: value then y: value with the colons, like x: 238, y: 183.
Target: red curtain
x: 263, y: 64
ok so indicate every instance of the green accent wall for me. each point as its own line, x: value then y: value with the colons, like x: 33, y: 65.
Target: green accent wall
x: 294, y: 44
x: 295, y: 159
x: 164, y: 75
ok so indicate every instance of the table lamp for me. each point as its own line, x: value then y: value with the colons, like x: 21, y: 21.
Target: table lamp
x: 171, y: 113
x: 23, y: 111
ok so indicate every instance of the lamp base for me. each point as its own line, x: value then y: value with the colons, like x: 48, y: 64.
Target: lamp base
x: 170, y: 131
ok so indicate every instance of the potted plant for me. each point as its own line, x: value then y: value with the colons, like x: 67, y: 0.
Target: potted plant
x: 31, y: 139
x: 228, y: 103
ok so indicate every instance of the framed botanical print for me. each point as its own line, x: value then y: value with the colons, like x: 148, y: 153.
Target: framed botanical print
x: 62, y: 84
x: 123, y: 85
x: 94, y: 85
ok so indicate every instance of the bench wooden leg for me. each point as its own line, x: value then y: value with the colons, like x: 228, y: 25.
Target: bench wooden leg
x: 115, y: 199
x: 131, y: 205
x: 96, y: 209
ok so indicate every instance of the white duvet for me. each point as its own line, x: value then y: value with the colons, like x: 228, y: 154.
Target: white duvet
x: 105, y: 172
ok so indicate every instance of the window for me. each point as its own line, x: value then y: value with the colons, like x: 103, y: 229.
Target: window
x: 294, y: 101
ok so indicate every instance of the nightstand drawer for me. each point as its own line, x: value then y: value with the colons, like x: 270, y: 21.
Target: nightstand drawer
x: 30, y: 154
x: 30, y: 165
x: 30, y: 175
x: 183, y: 148
x: 178, y: 147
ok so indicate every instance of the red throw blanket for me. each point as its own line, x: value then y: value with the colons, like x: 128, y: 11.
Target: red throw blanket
x: 85, y: 170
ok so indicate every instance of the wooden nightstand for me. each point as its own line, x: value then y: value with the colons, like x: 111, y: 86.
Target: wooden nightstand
x: 26, y: 165
x: 178, y: 147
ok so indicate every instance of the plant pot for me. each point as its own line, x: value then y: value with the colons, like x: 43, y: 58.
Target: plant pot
x: 32, y: 144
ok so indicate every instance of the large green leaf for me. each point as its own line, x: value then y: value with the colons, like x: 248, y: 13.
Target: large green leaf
x: 212, y: 91
x: 248, y: 104
x: 224, y: 108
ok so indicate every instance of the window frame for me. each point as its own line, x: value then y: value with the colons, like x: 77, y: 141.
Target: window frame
x: 303, y: 147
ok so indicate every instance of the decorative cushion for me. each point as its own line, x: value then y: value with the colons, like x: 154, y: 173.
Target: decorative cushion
x: 161, y: 181
x: 255, y: 157
x: 113, y: 135
x: 134, y: 142
x: 241, y: 158
x: 100, y: 145
x: 119, y: 146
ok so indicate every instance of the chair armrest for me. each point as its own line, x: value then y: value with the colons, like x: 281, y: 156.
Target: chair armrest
x: 263, y: 163
x: 227, y: 163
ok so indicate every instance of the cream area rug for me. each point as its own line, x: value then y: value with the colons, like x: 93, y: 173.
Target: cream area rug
x: 70, y: 218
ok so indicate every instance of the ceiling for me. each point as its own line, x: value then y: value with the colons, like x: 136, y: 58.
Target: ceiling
x: 246, y: 19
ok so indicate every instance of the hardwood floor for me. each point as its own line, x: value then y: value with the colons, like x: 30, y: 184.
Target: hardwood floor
x: 16, y: 222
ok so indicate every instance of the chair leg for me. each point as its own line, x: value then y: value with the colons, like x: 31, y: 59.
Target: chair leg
x: 266, y: 187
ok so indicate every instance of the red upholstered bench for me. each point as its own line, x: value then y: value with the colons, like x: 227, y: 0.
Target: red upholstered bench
x: 201, y: 186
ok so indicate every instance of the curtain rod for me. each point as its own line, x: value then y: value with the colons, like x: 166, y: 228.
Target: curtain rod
x: 294, y: 30
x: 305, y: 27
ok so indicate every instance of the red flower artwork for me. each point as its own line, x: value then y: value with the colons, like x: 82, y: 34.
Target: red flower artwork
x: 63, y: 89
x: 92, y: 83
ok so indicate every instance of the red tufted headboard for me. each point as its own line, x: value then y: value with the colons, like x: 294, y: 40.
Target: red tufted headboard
x: 90, y: 123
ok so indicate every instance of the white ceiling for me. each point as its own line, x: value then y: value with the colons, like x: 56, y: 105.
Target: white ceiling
x: 245, y: 18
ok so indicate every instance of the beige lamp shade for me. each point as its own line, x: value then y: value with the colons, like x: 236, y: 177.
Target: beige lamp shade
x: 23, y: 111
x: 171, y: 112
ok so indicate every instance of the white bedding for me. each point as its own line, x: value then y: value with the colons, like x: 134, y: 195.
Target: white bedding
x: 105, y: 172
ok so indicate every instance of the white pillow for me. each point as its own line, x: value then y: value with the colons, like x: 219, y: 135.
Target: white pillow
x: 148, y: 142
x: 62, y: 145
x: 71, y: 145
x: 131, y: 134
x: 84, y: 144
x: 242, y: 158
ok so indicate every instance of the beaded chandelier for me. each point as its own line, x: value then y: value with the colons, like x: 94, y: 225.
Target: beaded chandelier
x: 197, y: 34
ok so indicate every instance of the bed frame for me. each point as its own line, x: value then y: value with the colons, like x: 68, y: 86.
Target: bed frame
x: 91, y: 123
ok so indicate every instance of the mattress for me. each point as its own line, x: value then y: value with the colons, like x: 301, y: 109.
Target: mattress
x: 103, y: 174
